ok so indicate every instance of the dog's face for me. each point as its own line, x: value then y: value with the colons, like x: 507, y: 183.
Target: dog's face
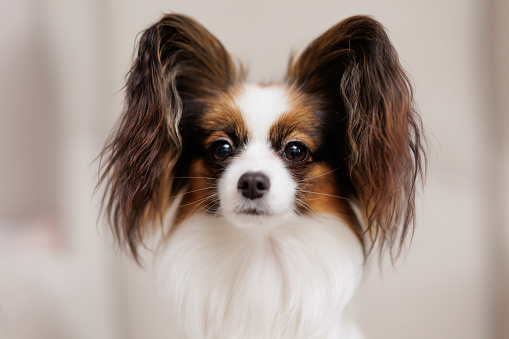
x: 252, y: 169
x: 261, y: 158
x: 339, y: 131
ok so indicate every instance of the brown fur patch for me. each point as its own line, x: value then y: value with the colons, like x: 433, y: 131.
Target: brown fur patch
x: 223, y: 119
x: 201, y: 193
x: 299, y: 123
x: 319, y: 192
x: 354, y: 70
x: 179, y: 66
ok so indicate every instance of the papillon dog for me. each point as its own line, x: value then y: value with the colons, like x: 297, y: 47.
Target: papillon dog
x: 268, y: 198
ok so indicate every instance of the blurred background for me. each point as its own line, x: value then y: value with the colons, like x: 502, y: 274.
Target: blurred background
x: 62, y: 68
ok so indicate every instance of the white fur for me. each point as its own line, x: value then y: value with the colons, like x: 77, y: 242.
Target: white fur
x: 290, y: 281
x: 260, y: 107
x: 277, y: 202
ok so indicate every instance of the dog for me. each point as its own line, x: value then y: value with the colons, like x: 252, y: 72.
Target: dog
x: 268, y: 198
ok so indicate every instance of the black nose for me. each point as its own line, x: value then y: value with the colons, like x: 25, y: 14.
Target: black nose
x: 253, y: 185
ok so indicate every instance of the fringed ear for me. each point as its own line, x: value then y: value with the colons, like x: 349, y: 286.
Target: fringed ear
x: 355, y: 72
x: 179, y: 64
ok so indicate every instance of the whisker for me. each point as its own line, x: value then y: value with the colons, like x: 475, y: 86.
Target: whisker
x: 312, y: 210
x: 184, y: 193
x: 297, y: 211
x: 325, y: 194
x: 306, y: 206
x: 212, y: 196
x: 199, y: 200
x: 315, y: 198
x: 196, y: 178
x: 321, y: 175
x: 209, y: 207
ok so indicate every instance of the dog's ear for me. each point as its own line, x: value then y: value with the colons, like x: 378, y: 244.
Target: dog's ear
x: 178, y: 64
x: 354, y: 70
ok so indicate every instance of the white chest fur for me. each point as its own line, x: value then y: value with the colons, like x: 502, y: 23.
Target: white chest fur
x: 290, y: 281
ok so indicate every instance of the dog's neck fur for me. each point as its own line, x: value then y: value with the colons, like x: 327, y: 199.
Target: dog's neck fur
x: 293, y: 280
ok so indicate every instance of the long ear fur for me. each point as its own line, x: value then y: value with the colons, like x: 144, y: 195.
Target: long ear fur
x: 178, y: 64
x: 355, y: 71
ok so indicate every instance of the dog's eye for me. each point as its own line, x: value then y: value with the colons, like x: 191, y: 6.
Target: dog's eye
x: 296, y: 151
x: 221, y: 149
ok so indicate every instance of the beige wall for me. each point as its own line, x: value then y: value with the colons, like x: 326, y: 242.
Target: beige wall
x: 61, y: 68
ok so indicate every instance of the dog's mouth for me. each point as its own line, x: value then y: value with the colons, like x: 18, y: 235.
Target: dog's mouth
x: 252, y: 211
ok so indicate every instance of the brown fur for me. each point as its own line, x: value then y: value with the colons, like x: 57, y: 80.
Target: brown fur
x: 354, y: 70
x: 178, y: 66
x: 220, y: 119
x: 317, y: 188
x: 318, y: 192
x: 200, y: 195
x: 299, y: 123
x: 223, y: 118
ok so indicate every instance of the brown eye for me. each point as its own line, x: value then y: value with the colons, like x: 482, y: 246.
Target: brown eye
x: 221, y: 149
x: 296, y: 151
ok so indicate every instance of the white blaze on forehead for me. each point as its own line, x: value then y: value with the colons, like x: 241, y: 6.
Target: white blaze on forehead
x: 261, y: 107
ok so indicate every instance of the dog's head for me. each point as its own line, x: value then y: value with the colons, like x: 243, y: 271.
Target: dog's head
x: 339, y: 132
